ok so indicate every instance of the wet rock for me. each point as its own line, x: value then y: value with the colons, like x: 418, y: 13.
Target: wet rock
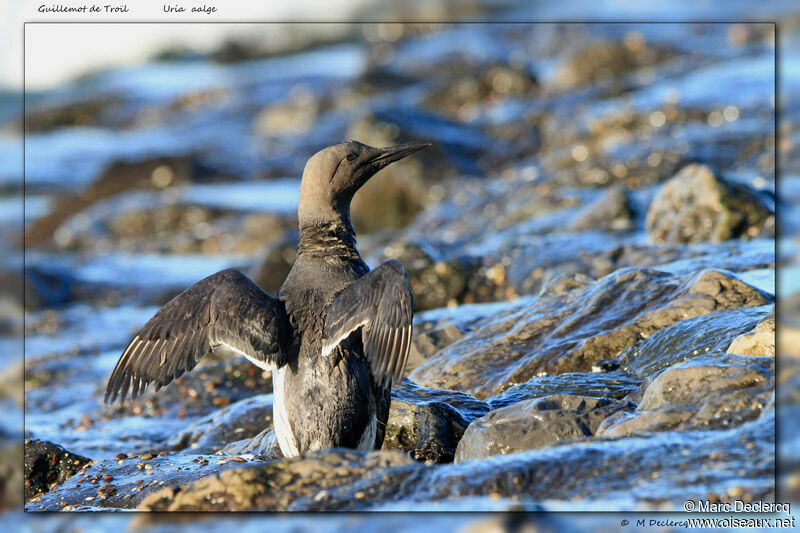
x: 711, y: 333
x: 609, y: 212
x: 213, y: 384
x: 11, y: 472
x: 240, y: 420
x: 760, y: 341
x: 435, y: 283
x: 180, y: 229
x: 427, y: 343
x: 462, y: 93
x: 127, y: 482
x: 294, y: 116
x: 330, y: 479
x: 48, y: 464
x: 264, y: 446
x: 428, y: 423
x: 569, y: 333
x: 118, y: 177
x: 388, y: 201
x: 611, y: 385
x: 603, y: 62
x: 93, y: 112
x: 663, y: 469
x: 709, y: 391
x: 275, y: 263
x: 535, y: 423
x: 697, y: 206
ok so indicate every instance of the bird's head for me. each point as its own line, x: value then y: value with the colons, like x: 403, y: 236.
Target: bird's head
x: 333, y: 175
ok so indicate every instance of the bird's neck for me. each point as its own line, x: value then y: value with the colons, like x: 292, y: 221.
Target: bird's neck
x: 337, y: 238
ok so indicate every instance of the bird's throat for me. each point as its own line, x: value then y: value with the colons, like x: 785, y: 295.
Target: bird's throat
x: 328, y: 239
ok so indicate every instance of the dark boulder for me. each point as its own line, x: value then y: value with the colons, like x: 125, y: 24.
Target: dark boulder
x: 428, y: 423
x: 48, y: 464
x: 535, y: 423
x: 698, y: 206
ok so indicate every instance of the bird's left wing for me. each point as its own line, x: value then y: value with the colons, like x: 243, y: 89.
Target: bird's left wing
x: 381, y: 303
x: 223, y: 311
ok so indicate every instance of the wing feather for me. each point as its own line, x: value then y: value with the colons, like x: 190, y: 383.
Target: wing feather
x: 381, y: 304
x: 224, y: 308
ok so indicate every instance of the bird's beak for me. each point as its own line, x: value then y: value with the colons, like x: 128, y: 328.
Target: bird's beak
x: 391, y: 154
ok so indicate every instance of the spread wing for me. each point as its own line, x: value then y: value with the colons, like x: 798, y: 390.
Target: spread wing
x: 223, y: 311
x: 381, y: 303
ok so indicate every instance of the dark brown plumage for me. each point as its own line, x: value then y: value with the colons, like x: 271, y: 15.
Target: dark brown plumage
x: 335, y: 336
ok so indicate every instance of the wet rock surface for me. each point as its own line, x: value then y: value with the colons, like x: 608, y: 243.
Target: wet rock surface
x: 707, y: 391
x: 697, y: 206
x: 243, y: 419
x: 307, y: 483
x: 759, y: 341
x: 610, y: 385
x: 428, y: 423
x: 569, y: 333
x: 48, y: 464
x: 589, y: 242
x: 532, y: 424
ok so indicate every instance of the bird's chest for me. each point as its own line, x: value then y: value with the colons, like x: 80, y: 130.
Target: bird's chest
x: 309, y: 294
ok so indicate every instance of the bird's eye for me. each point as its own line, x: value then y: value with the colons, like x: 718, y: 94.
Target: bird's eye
x: 351, y: 157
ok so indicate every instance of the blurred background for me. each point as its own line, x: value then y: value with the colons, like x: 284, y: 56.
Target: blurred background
x: 177, y: 152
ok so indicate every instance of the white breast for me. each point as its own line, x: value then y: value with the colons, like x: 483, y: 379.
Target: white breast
x: 283, y: 429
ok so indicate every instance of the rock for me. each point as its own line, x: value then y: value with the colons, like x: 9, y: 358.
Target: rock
x: 240, y: 420
x: 11, y: 473
x: 275, y: 263
x: 176, y: 228
x: 118, y: 177
x: 428, y: 423
x: 264, y: 446
x: 316, y: 481
x: 535, y: 423
x: 697, y: 206
x: 609, y: 212
x: 131, y: 479
x: 604, y: 62
x: 711, y: 333
x: 427, y: 343
x: 661, y: 469
x: 568, y: 333
x: 388, y: 201
x: 465, y: 92
x: 760, y: 341
x: 664, y: 470
x: 294, y: 116
x: 611, y: 385
x: 709, y: 391
x: 216, y: 382
x: 435, y: 283
x: 48, y: 464
x: 86, y: 113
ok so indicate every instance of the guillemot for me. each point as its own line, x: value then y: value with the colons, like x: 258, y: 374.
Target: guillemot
x: 335, y: 336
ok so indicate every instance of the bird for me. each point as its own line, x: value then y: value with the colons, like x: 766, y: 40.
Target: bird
x: 335, y: 336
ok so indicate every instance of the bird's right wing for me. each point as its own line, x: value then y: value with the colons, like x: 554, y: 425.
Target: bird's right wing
x: 224, y: 310
x: 381, y: 303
